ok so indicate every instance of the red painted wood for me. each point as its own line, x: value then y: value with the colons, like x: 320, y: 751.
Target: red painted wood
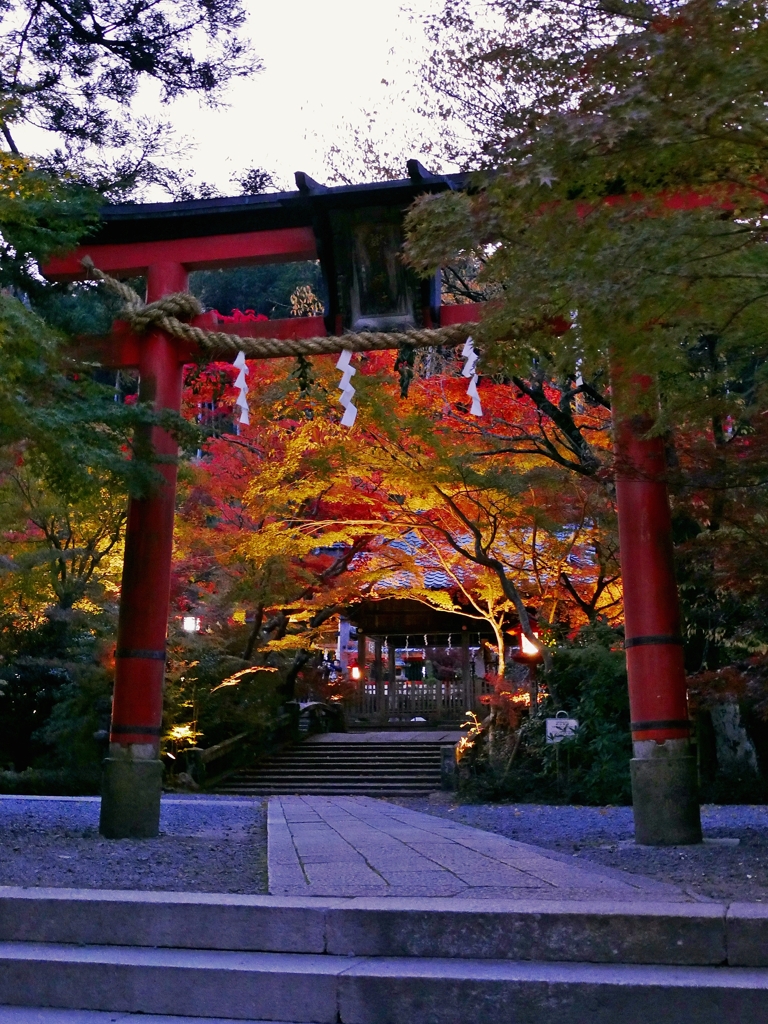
x: 138, y: 702
x: 292, y: 327
x: 283, y: 245
x: 657, y: 687
x: 467, y: 313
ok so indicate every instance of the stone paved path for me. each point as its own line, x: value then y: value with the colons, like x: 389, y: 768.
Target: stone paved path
x: 358, y: 846
x: 54, y: 1015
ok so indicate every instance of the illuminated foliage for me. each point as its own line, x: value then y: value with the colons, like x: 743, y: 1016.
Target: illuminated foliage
x: 623, y: 225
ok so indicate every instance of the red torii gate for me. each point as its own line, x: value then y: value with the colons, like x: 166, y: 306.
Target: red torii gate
x: 164, y: 242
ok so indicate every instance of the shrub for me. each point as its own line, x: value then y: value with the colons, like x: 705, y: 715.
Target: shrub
x: 588, y: 680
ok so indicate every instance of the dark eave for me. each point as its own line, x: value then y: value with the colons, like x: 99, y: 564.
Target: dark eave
x: 198, y: 218
x: 401, y: 617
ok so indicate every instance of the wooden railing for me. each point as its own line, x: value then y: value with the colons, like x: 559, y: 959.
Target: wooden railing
x: 404, y: 700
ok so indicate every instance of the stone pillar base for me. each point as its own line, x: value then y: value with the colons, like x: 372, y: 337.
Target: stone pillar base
x: 130, y: 798
x: 448, y: 767
x: 665, y: 801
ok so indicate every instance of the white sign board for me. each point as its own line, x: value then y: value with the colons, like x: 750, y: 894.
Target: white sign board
x: 561, y: 728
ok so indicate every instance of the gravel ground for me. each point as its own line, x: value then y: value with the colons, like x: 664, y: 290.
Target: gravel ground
x: 719, y: 869
x: 205, y: 845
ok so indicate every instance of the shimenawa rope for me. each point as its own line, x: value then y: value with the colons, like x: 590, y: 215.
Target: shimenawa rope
x: 171, y: 312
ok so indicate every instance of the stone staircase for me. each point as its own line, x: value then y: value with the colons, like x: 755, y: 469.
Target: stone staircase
x: 343, y: 769
x: 385, y: 960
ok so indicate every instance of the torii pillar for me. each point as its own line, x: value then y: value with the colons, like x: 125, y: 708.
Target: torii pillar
x: 665, y: 800
x: 133, y: 772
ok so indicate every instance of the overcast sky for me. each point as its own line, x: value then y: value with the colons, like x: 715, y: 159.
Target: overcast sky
x: 324, y: 64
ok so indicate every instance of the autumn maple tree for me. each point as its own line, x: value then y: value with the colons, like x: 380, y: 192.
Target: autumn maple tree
x: 617, y: 214
x: 304, y: 515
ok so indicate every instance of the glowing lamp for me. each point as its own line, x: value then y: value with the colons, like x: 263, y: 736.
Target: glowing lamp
x: 191, y: 624
x: 527, y: 653
x: 356, y: 673
x: 527, y: 649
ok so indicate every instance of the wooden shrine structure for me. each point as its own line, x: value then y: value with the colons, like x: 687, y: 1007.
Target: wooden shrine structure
x: 383, y: 696
x: 356, y: 233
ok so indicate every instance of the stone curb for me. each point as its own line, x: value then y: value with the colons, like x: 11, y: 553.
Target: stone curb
x: 55, y: 1015
x: 598, y: 931
x: 361, y: 990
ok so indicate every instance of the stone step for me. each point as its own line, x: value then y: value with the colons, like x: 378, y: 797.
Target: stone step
x: 343, y: 773
x: 431, y: 779
x: 379, y: 794
x: 51, y: 1015
x: 323, y: 789
x: 411, y: 768
x: 369, y: 748
x: 364, y: 766
x: 396, y: 785
x: 450, y: 721
x: 429, y: 758
x: 373, y: 755
x: 336, y: 772
x: 368, y: 755
x: 363, y: 750
x: 353, y: 762
x: 224, y: 957
x: 599, y: 931
x: 341, y: 788
x: 320, y: 744
x: 302, y: 769
x: 327, y: 988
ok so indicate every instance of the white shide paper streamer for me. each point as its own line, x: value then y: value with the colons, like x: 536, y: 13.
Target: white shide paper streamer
x: 347, y: 391
x: 468, y: 353
x: 242, y: 385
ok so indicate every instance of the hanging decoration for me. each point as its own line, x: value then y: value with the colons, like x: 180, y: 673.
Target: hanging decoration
x: 303, y: 373
x: 406, y: 355
x: 241, y: 384
x: 347, y: 391
x: 468, y: 353
x: 171, y: 314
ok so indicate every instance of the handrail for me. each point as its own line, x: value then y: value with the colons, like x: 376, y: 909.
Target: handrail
x: 208, y: 754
